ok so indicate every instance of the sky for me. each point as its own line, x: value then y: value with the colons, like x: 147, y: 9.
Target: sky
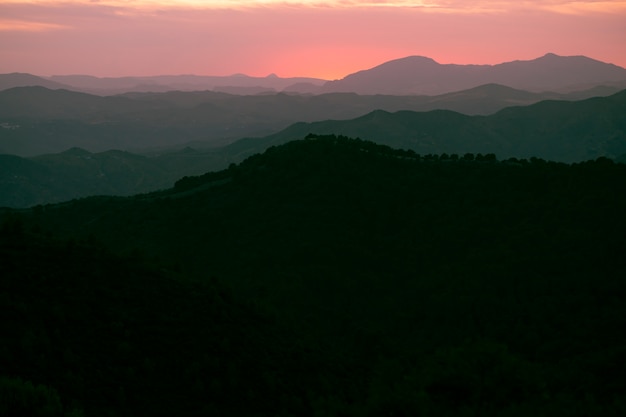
x: 314, y: 38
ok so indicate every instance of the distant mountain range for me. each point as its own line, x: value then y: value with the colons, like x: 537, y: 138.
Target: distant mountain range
x: 413, y: 75
x: 566, y: 131
x: 235, y: 84
x: 563, y: 131
x: 36, y: 120
x: 422, y: 75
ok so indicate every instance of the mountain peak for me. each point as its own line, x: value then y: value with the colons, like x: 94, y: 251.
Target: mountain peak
x: 421, y: 75
x: 411, y: 60
x: 76, y: 151
x: 420, y: 58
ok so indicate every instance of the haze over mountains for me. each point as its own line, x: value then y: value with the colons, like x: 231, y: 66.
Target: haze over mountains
x: 414, y: 75
x: 36, y: 120
x: 554, y: 130
x: 566, y: 131
x: 182, y: 133
x: 237, y: 84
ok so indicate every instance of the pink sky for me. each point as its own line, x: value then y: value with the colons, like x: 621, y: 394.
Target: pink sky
x: 317, y: 38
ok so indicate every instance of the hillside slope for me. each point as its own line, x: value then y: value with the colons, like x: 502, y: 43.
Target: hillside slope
x: 554, y: 130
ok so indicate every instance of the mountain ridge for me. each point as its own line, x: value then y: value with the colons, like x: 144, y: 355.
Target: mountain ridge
x: 412, y: 74
x: 554, y: 130
x: 422, y: 75
x: 566, y: 131
x: 36, y: 120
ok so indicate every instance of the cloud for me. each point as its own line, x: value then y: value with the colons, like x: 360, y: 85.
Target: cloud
x: 14, y: 25
x: 446, y: 6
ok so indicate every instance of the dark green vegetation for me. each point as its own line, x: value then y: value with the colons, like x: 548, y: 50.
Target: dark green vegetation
x: 555, y: 130
x: 328, y: 277
x: 103, y: 335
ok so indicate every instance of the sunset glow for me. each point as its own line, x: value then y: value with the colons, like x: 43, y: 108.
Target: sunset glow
x: 319, y: 38
x: 565, y: 6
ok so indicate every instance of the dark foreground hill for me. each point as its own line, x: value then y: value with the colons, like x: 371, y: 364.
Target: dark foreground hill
x: 399, y: 285
x: 87, y: 333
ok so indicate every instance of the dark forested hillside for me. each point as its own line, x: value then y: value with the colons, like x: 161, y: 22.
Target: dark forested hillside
x: 86, y: 333
x: 376, y: 282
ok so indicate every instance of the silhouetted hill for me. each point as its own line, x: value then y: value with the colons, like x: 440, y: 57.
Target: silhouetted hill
x: 89, y: 333
x: 555, y: 130
x: 76, y: 173
x: 412, y: 285
x: 39, y: 103
x: 421, y: 75
x: 18, y: 79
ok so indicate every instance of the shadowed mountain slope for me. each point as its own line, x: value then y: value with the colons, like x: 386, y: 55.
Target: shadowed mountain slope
x: 88, y: 333
x: 554, y: 130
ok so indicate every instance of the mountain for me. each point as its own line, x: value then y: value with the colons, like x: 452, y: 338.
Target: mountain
x: 18, y: 79
x: 554, y: 130
x: 76, y: 173
x: 413, y: 75
x: 240, y: 83
x: 35, y: 120
x: 327, y: 276
x: 567, y: 131
x: 421, y: 75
